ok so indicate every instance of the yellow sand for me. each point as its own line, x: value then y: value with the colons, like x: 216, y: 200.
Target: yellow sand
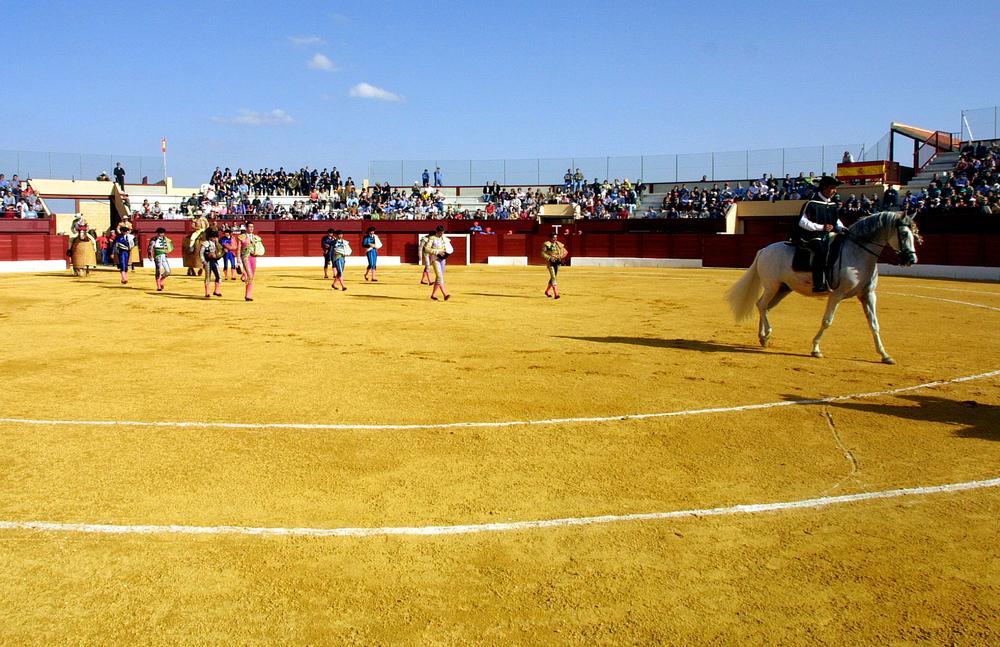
x: 619, y: 342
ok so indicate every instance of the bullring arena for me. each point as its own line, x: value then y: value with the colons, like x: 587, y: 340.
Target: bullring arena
x: 462, y: 323
x: 625, y: 464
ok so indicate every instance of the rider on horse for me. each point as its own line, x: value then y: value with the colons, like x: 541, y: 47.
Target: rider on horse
x: 818, y: 223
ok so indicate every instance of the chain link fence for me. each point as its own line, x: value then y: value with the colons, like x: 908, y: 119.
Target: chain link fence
x: 79, y: 166
x: 689, y: 167
x: 981, y: 123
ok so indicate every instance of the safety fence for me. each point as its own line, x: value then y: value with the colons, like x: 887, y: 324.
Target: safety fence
x: 79, y: 166
x: 685, y: 167
x: 981, y: 124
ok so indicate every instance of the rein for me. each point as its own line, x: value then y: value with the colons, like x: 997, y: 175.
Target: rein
x: 863, y: 246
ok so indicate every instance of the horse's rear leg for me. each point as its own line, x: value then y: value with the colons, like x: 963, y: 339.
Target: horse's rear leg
x: 867, y: 300
x: 772, y: 296
x: 831, y: 309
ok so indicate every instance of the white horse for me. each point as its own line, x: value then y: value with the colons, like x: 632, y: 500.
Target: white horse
x: 855, y: 274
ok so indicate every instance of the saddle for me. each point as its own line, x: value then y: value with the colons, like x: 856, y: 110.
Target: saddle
x: 802, y: 259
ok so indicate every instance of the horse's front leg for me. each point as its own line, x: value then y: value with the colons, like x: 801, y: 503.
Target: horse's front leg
x: 831, y: 309
x: 868, y: 302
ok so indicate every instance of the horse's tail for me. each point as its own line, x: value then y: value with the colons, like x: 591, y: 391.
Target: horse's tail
x: 742, y: 297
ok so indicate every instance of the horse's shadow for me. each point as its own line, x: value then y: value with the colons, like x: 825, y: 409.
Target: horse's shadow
x: 696, y: 345
x: 975, y: 419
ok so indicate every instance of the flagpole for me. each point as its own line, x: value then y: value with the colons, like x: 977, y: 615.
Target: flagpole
x: 163, y: 149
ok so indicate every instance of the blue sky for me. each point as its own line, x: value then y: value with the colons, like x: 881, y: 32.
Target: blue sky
x: 270, y: 83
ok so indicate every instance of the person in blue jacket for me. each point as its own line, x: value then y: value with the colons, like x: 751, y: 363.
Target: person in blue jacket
x: 124, y: 242
x: 371, y: 244
x: 327, y: 244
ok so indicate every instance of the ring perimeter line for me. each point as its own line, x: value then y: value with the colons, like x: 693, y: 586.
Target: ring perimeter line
x: 742, y: 509
x: 500, y: 423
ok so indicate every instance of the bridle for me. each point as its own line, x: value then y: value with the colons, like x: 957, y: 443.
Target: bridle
x: 903, y: 257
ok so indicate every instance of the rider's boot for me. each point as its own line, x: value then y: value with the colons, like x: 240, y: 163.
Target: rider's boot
x: 819, y: 280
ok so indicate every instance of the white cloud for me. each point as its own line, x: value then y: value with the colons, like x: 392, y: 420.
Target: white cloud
x: 247, y: 117
x: 306, y: 40
x: 368, y: 91
x: 321, y: 62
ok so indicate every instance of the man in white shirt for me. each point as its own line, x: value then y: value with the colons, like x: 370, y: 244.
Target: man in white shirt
x: 818, y: 222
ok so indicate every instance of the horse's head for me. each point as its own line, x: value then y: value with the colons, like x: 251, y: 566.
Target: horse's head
x: 905, y: 241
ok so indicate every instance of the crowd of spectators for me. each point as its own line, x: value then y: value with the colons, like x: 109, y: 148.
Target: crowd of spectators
x: 598, y: 200
x: 270, y: 182
x: 321, y: 202
x: 18, y: 199
x: 974, y: 185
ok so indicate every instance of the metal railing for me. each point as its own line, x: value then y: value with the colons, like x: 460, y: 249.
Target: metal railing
x: 78, y: 166
x: 928, y: 150
x: 689, y: 167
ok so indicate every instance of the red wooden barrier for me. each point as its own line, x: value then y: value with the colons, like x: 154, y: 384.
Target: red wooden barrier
x: 33, y: 240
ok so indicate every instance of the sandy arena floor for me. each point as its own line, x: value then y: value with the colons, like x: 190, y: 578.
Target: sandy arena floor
x: 921, y: 565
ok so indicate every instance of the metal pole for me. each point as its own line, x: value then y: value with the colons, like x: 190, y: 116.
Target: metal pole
x: 538, y: 170
x: 747, y: 176
x: 713, y: 166
x: 18, y: 162
x: 822, y: 160
x: 607, y: 168
x: 783, y: 171
x: 400, y: 172
x: 995, y: 121
x: 675, y: 169
x: 505, y: 172
x: 642, y: 167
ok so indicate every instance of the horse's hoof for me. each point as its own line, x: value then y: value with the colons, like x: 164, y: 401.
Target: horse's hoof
x: 816, y: 353
x: 888, y: 360
x: 764, y: 341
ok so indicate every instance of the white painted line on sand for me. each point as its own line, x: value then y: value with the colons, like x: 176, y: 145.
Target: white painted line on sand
x: 498, y: 423
x: 924, y: 296
x: 751, y: 508
x: 936, y: 287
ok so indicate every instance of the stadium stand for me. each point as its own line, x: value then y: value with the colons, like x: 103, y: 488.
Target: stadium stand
x: 971, y: 185
x: 19, y: 200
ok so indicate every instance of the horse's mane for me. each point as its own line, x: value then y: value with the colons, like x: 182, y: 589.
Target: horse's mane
x: 866, y: 228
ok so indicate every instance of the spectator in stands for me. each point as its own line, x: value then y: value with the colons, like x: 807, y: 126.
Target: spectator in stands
x: 425, y: 178
x: 120, y: 176
x: 890, y: 199
x: 848, y: 158
x: 438, y: 177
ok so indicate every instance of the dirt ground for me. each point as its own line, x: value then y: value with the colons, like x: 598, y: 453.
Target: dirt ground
x: 619, y: 342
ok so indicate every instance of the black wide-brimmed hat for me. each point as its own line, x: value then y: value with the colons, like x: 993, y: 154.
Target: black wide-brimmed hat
x: 828, y: 180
